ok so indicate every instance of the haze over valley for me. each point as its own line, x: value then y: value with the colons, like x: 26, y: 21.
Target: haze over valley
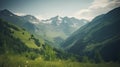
x: 60, y: 33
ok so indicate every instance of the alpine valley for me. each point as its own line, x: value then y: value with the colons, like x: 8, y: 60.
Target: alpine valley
x: 26, y: 41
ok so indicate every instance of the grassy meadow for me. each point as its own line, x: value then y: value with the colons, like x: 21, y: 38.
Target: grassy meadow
x: 19, y: 61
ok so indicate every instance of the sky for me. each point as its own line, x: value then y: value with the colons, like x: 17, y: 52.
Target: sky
x: 44, y: 9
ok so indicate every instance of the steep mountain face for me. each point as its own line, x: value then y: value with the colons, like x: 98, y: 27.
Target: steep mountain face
x: 99, y: 39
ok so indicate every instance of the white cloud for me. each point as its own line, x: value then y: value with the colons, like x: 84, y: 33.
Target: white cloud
x: 20, y: 14
x: 23, y: 14
x: 39, y: 17
x: 97, y: 7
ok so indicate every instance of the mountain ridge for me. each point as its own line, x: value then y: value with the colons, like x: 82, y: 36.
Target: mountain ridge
x: 102, y: 34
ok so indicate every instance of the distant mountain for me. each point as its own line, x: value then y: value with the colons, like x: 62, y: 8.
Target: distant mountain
x: 65, y: 21
x: 59, y: 27
x: 30, y: 18
x: 53, y: 29
x: 99, y: 39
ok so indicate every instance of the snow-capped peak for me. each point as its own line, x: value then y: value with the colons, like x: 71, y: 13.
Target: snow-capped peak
x: 59, y: 18
x: 46, y: 21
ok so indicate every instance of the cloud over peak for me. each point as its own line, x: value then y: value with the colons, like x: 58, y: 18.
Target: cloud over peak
x: 97, y: 7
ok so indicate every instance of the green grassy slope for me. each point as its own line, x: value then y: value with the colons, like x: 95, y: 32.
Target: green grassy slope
x: 18, y: 46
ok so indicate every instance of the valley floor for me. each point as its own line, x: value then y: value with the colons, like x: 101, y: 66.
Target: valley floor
x: 17, y: 61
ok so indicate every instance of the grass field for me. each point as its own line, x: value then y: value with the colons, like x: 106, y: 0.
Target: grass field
x: 19, y: 61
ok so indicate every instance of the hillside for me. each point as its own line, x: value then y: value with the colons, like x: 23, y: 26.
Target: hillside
x: 98, y: 40
x: 16, y: 42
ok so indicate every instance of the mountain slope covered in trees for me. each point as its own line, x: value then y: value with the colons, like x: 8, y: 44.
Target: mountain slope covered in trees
x: 99, y: 39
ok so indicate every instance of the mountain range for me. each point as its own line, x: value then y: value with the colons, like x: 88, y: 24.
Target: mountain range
x: 55, y: 29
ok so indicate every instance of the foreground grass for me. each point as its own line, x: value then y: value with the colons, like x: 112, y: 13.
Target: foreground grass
x: 18, y: 61
x: 72, y: 64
